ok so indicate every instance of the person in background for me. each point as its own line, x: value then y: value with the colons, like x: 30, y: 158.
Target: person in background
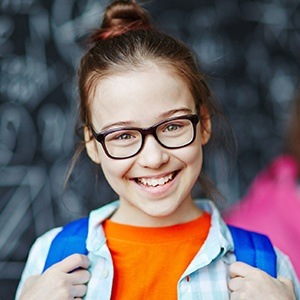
x: 272, y: 203
x: 146, y: 110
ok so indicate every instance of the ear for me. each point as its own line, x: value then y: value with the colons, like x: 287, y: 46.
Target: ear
x: 205, y: 122
x: 91, y: 146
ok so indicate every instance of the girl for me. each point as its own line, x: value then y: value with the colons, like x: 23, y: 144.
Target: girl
x: 146, y: 110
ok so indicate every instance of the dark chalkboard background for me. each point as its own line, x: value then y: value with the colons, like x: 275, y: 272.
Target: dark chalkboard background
x: 250, y: 49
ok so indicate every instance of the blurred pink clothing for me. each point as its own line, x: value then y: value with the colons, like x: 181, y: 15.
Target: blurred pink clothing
x: 272, y: 206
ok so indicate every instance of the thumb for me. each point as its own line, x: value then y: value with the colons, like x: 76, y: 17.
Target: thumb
x: 286, y: 281
x: 72, y: 262
x: 239, y: 269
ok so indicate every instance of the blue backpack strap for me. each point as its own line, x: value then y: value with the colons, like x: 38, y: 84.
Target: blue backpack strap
x: 250, y: 247
x: 254, y: 249
x: 70, y: 240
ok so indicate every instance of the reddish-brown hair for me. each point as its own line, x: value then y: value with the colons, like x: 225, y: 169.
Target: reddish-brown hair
x: 293, y: 132
x: 120, y: 17
x: 126, y: 41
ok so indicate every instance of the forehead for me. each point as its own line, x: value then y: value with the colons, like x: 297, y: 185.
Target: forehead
x: 141, y: 94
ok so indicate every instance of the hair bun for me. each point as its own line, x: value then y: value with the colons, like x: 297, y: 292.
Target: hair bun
x: 121, y: 17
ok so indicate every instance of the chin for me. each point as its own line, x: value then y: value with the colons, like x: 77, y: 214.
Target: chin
x: 160, y: 210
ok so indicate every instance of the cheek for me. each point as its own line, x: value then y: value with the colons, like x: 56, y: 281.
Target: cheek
x: 114, y: 170
x: 193, y: 159
x: 193, y: 154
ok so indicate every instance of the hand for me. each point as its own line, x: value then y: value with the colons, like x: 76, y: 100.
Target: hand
x: 251, y: 283
x: 57, y: 283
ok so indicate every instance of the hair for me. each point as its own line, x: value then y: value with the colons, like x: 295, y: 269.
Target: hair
x: 127, y: 40
x: 293, y: 131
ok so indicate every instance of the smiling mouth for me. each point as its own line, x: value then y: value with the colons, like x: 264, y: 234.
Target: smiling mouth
x: 154, y: 182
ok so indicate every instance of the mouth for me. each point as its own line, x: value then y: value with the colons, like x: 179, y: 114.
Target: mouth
x: 157, y: 181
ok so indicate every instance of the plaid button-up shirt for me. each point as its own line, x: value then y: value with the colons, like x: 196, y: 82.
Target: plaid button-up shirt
x: 206, y: 277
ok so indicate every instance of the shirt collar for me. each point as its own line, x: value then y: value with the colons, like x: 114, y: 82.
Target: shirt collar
x: 218, y: 242
x: 96, y: 237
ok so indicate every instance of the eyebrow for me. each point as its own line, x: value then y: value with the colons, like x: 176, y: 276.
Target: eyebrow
x: 164, y: 115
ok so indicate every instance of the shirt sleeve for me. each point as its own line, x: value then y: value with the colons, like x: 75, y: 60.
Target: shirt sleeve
x: 37, y: 257
x: 285, y: 269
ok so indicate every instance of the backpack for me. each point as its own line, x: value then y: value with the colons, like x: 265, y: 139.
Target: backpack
x: 250, y: 247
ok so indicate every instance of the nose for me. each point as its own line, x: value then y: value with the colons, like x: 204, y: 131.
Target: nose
x: 153, y: 155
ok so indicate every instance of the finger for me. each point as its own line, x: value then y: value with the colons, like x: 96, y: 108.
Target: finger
x: 79, y: 291
x: 240, y: 269
x: 73, y: 262
x: 238, y: 295
x: 235, y: 283
x: 80, y: 277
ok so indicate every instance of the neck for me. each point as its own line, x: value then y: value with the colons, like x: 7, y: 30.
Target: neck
x: 131, y: 215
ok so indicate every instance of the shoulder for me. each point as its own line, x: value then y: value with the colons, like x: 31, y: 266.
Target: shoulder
x: 40, y: 248
x: 38, y: 252
x: 37, y: 256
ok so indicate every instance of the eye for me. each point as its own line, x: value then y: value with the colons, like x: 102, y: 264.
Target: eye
x: 124, y: 136
x: 172, y: 127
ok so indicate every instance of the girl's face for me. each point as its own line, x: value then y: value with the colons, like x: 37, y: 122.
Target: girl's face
x: 155, y: 185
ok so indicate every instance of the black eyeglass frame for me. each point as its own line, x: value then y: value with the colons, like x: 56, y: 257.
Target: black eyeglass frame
x: 100, y: 137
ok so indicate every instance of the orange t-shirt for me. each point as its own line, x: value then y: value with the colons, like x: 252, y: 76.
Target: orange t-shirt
x: 149, y: 261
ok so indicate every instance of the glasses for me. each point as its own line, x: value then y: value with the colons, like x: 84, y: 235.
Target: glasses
x: 126, y: 142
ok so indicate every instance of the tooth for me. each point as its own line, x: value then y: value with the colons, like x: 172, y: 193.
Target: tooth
x: 155, y: 182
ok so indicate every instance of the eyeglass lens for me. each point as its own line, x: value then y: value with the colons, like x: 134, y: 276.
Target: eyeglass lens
x: 174, y: 133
